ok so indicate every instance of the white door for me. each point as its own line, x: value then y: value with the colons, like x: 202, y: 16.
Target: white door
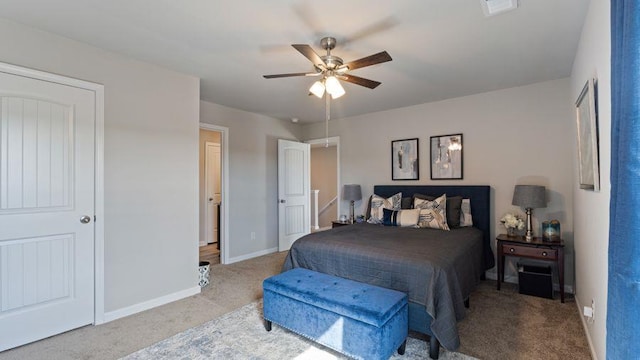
x: 294, y: 216
x: 212, y: 174
x: 46, y: 209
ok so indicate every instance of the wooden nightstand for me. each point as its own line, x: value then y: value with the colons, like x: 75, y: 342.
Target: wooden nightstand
x: 535, y: 249
x: 336, y: 223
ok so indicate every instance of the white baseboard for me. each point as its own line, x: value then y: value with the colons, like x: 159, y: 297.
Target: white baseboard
x: 252, y: 255
x: 133, y: 309
x: 586, y: 330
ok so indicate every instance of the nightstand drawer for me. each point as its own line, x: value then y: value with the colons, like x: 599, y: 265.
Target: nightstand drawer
x: 532, y: 252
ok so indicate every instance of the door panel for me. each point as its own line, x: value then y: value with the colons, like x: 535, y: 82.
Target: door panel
x: 36, y: 155
x: 46, y: 186
x: 36, y: 271
x: 294, y: 216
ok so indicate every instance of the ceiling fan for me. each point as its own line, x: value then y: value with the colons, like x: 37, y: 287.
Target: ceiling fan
x: 331, y: 68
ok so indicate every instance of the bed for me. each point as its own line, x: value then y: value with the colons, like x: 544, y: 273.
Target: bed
x: 438, y: 269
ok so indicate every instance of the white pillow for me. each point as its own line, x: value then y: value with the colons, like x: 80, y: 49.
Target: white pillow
x: 433, y: 214
x: 378, y: 203
x: 407, y: 217
x: 465, y: 213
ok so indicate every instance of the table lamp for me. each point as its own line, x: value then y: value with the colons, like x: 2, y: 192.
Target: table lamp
x: 352, y: 193
x: 529, y: 197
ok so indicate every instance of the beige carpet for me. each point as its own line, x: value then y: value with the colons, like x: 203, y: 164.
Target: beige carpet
x: 240, y: 335
x: 499, y: 324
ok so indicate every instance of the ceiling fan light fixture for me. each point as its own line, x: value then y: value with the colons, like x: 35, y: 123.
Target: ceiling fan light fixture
x: 333, y: 87
x: 317, y: 89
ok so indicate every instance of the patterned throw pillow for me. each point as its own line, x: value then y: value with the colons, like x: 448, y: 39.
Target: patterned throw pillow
x: 433, y: 214
x: 378, y: 203
x: 453, y: 208
x: 465, y: 213
x: 407, y: 217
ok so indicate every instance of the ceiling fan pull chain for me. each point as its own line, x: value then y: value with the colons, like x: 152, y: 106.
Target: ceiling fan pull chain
x: 328, y: 115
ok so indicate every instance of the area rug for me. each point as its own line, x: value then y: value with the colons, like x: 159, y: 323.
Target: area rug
x: 241, y: 335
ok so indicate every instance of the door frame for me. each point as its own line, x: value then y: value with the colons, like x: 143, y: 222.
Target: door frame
x: 224, y: 190
x: 334, y: 140
x: 98, y: 224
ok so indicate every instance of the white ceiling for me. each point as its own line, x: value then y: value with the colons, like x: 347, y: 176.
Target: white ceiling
x: 441, y: 48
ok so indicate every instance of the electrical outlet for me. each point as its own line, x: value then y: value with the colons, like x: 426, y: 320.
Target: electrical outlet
x: 253, y: 235
x: 590, y: 312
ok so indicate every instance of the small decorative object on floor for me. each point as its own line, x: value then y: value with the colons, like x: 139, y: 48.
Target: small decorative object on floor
x: 551, y: 231
x: 512, y: 222
x: 203, y: 274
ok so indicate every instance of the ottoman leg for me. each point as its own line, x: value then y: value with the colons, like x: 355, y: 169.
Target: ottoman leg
x: 402, y: 347
x: 434, y: 347
x: 267, y: 325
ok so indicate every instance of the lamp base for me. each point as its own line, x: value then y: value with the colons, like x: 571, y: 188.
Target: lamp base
x: 529, y: 234
x: 351, y: 212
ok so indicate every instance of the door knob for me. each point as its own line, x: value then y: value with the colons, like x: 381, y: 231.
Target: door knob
x: 210, y: 199
x: 282, y: 201
x: 85, y: 219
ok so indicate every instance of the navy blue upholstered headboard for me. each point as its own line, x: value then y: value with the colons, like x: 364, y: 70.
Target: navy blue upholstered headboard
x: 480, y: 196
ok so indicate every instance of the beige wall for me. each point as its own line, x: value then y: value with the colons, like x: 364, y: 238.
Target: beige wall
x: 591, y: 209
x: 253, y: 176
x: 205, y: 136
x: 521, y: 135
x: 150, y: 151
x: 324, y: 177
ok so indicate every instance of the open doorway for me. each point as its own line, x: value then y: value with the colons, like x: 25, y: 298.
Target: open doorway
x: 325, y: 182
x: 210, y: 203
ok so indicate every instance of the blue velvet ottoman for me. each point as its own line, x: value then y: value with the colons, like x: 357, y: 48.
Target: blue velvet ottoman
x: 359, y: 320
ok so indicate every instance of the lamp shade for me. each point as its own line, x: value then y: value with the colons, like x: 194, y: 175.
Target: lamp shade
x: 333, y: 87
x: 317, y: 89
x: 351, y: 192
x: 529, y: 196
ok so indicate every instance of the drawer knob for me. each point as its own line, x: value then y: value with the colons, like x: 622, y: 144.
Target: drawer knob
x: 544, y: 253
x: 512, y: 250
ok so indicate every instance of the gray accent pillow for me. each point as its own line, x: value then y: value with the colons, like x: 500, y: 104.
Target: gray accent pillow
x: 407, y: 203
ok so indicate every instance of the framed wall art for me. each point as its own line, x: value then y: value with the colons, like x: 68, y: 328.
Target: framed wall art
x: 404, y: 160
x: 446, y: 157
x: 587, y: 123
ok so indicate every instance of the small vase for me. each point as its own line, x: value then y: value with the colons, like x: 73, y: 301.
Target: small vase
x: 511, y: 232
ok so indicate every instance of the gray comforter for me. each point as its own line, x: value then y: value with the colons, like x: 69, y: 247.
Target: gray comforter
x: 437, y: 269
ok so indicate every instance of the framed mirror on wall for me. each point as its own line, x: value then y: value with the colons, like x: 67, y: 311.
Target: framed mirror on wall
x: 587, y: 130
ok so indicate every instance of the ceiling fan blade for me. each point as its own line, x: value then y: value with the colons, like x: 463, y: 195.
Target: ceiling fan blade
x: 274, y: 76
x: 308, y: 52
x: 368, y: 61
x: 371, y: 84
